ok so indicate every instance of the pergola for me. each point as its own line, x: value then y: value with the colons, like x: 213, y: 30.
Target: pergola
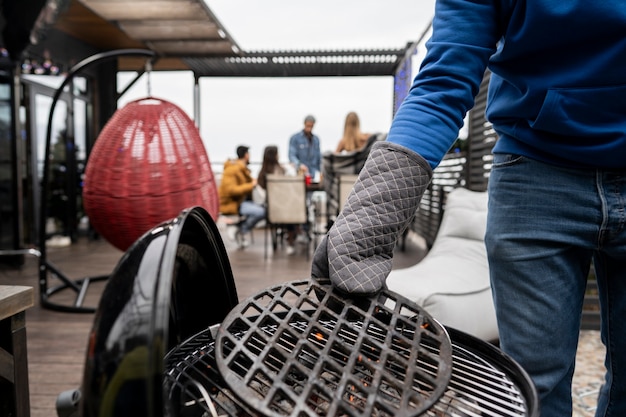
x: 186, y: 35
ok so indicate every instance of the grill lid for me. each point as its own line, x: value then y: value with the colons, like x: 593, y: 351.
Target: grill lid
x: 302, y: 349
x: 156, y: 298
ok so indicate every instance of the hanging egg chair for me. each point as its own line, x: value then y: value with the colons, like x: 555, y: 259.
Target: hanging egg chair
x: 147, y: 165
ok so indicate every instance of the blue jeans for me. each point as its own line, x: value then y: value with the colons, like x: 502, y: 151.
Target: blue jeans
x: 254, y: 213
x: 545, y: 225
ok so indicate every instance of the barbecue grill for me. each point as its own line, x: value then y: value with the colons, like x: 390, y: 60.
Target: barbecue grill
x: 171, y: 339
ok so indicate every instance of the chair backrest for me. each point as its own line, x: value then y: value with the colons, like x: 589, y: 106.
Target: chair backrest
x: 286, y: 199
x: 464, y: 216
x: 334, y: 165
x: 346, y: 183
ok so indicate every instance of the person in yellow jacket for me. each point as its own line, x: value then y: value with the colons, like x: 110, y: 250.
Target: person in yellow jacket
x: 235, y: 193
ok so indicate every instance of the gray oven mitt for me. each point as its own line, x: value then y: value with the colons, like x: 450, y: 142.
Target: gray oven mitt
x: 356, y: 252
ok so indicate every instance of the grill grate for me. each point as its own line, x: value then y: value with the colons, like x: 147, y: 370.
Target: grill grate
x: 300, y: 349
x: 479, y: 385
x: 192, y: 384
x: 477, y: 388
x: 483, y: 381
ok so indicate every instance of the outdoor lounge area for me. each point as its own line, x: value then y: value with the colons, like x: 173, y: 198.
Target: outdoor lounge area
x: 442, y: 246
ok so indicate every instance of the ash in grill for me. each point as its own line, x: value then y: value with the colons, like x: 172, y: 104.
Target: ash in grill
x: 283, y: 353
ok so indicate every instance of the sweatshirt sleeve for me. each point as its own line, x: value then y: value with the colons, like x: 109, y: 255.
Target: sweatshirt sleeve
x: 465, y: 35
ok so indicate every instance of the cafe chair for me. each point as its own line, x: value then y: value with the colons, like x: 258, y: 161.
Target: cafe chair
x: 337, y: 165
x: 286, y: 206
x: 345, y: 184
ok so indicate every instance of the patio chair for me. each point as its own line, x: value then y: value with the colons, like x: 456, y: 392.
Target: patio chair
x: 147, y: 165
x: 286, y: 206
x: 452, y: 281
x: 345, y: 184
x: 335, y: 166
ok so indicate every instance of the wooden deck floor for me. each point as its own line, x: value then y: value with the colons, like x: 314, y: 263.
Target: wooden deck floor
x: 57, y: 341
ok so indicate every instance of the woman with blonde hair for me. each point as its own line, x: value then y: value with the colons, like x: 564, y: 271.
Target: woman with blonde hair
x: 353, y: 139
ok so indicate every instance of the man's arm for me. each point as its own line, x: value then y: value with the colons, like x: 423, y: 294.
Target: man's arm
x: 234, y: 185
x: 293, y: 152
x: 243, y: 189
x: 356, y: 252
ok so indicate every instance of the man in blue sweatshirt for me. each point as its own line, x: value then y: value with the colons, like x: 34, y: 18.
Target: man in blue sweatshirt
x: 557, y: 189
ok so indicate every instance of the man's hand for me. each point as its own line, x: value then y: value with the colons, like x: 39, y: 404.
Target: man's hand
x: 356, y: 252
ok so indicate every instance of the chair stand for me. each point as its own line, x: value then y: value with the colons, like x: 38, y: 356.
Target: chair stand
x: 79, y: 286
x: 46, y: 269
x: 46, y: 292
x: 236, y: 220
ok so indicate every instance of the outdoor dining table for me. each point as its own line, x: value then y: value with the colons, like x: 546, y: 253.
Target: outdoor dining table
x: 14, y: 300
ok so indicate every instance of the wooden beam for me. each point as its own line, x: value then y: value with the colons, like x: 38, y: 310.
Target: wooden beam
x: 147, y: 10
x: 171, y: 29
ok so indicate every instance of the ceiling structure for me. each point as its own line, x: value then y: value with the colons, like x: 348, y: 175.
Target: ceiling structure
x: 171, y: 28
x: 186, y: 35
x: 300, y: 63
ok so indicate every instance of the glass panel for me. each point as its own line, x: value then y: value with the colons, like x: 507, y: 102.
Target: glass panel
x: 53, y: 81
x: 7, y: 214
x: 29, y: 199
x: 80, y: 85
x: 80, y: 142
x: 80, y: 130
x: 59, y: 130
x: 57, y: 204
x: 5, y: 91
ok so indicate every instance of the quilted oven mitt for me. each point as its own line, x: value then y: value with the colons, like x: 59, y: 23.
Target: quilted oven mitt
x: 357, y: 251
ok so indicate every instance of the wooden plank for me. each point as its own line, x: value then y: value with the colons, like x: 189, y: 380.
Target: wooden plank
x: 14, y: 299
x: 6, y: 365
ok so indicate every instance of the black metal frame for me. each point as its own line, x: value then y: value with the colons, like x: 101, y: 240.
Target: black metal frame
x: 80, y: 286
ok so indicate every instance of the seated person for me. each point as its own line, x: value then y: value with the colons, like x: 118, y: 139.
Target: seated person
x: 235, y: 196
x: 353, y: 139
x: 334, y: 165
x: 271, y: 165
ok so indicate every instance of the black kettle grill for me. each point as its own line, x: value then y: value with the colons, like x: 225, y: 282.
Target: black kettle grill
x: 170, y: 338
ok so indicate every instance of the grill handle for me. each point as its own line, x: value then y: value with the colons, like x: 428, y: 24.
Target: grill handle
x: 67, y: 403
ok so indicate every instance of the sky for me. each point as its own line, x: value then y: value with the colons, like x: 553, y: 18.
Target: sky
x: 266, y: 111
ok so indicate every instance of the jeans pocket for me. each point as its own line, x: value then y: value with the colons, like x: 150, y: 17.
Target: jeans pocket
x: 501, y: 160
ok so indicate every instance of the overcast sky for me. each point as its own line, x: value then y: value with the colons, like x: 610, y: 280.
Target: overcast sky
x: 263, y: 111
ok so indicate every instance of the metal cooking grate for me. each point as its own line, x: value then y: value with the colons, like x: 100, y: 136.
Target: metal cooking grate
x: 301, y: 349
x: 479, y: 388
x: 481, y: 384
x: 192, y: 384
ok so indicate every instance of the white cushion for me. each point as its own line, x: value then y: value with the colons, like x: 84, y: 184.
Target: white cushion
x: 465, y: 215
x: 452, y: 282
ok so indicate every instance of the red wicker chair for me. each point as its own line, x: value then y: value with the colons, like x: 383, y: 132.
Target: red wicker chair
x: 147, y: 164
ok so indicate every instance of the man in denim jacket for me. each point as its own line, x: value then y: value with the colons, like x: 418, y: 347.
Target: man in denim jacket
x: 304, y: 149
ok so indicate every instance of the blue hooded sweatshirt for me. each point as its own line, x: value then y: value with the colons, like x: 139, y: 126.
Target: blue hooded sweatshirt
x: 558, y: 86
